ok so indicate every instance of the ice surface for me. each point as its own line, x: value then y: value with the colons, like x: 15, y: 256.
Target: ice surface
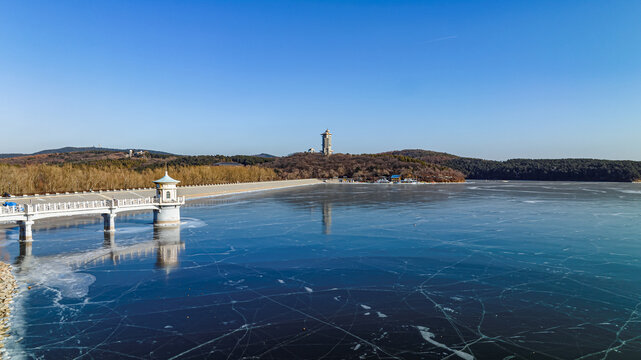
x: 427, y: 335
x: 191, y: 223
x: 489, y: 270
x: 56, y: 274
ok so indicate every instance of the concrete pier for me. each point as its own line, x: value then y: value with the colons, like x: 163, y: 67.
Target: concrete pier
x: 167, y: 215
x: 25, y: 229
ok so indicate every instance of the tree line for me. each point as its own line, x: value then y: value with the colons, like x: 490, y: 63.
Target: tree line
x: 44, y: 178
x: 548, y: 169
x: 533, y: 169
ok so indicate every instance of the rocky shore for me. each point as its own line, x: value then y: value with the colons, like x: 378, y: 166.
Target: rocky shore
x: 8, y: 287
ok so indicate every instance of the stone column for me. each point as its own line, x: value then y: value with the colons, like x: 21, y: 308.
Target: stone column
x: 25, y: 230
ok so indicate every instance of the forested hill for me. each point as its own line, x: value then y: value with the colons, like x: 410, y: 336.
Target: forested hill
x: 549, y: 169
x: 149, y: 160
x: 364, y: 167
x: 422, y: 164
x: 82, y: 150
x: 534, y: 169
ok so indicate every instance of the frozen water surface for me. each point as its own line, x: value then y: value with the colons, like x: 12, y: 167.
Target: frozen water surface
x: 484, y: 270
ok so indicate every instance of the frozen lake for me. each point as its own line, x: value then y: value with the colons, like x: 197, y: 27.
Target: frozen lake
x: 484, y: 270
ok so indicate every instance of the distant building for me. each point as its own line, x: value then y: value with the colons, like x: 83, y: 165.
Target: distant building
x: 327, y: 143
x: 396, y: 178
x: 140, y: 153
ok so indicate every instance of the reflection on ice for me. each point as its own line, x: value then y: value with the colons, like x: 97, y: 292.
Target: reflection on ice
x: 168, y: 247
x: 131, y: 229
x: 60, y: 271
x: 327, y: 217
x: 61, y: 278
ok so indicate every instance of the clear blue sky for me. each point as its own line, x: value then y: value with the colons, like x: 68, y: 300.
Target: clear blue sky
x: 491, y: 79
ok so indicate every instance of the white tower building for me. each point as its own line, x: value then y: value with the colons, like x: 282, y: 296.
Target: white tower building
x: 167, y: 194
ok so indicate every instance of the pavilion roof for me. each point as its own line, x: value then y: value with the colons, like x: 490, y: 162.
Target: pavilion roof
x: 166, y: 180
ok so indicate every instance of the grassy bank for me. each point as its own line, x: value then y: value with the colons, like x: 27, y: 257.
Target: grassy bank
x: 43, y: 178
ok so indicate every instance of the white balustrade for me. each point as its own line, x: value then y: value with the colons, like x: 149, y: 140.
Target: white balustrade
x: 120, y: 204
x: 10, y: 210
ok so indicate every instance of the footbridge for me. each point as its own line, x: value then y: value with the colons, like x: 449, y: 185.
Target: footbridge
x: 109, y: 203
x: 25, y: 215
x: 165, y: 205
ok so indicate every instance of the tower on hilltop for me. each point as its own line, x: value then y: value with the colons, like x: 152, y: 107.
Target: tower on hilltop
x: 327, y: 143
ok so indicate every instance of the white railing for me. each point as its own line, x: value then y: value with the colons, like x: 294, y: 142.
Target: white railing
x: 78, y: 205
x: 135, y: 202
x: 11, y: 210
x: 85, y: 205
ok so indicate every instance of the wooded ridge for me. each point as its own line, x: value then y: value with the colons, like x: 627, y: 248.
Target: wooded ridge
x: 107, y: 169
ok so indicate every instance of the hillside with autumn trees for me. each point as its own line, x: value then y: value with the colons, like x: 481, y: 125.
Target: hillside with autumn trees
x: 364, y: 167
x: 94, y: 169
